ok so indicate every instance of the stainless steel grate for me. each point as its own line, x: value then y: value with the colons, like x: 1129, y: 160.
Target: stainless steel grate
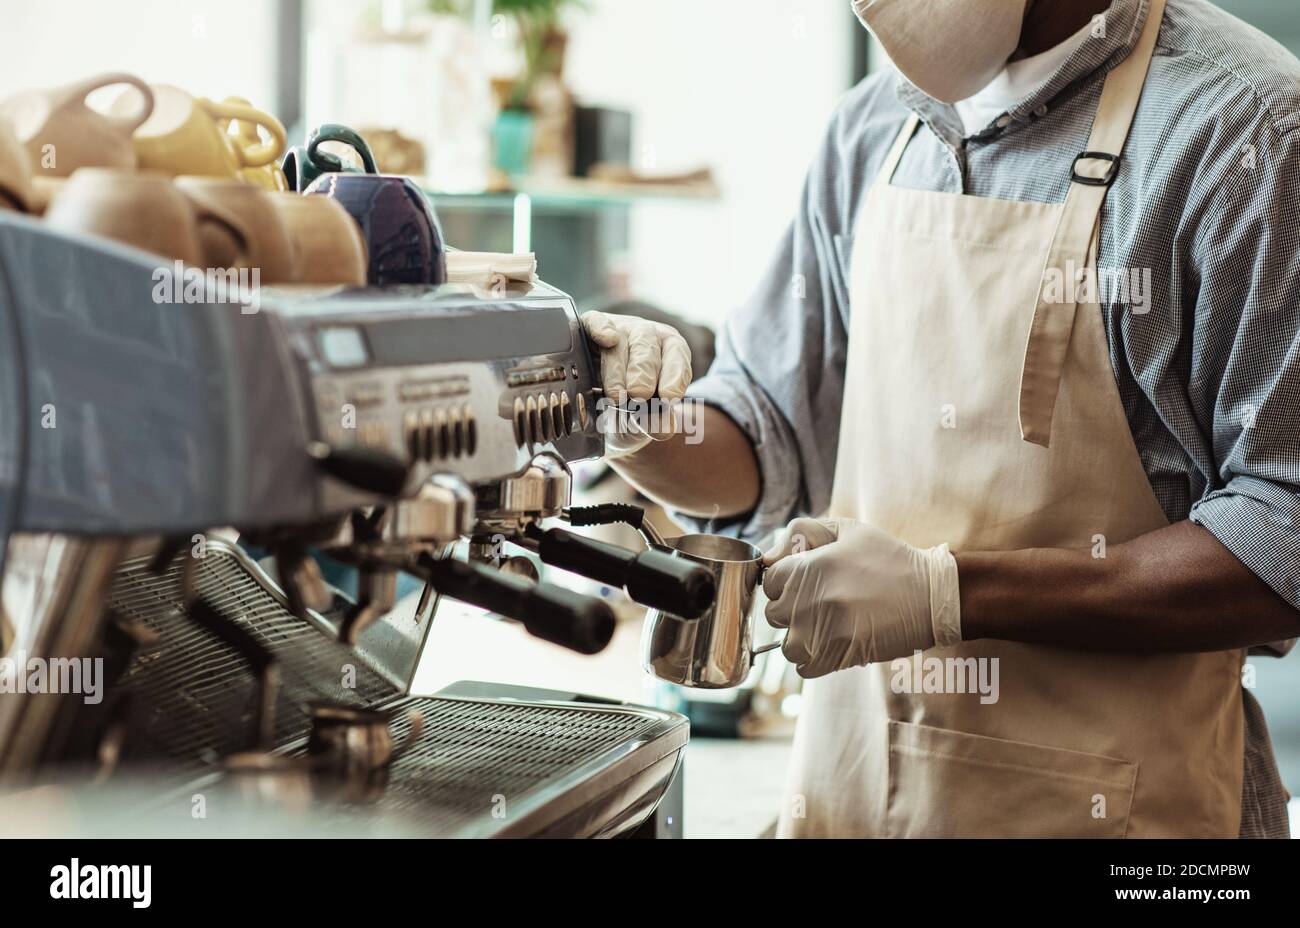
x: 192, y: 699
x: 472, y: 752
x: 192, y: 695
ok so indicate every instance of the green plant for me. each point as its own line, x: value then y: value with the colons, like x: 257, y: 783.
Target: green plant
x: 538, y: 22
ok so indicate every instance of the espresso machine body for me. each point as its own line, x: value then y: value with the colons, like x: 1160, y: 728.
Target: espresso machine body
x: 128, y: 415
x: 394, y: 430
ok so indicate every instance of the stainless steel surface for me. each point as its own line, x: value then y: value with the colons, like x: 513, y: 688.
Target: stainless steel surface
x: 454, y: 415
x: 198, y: 694
x: 285, y: 783
x: 170, y: 423
x: 376, y: 597
x: 353, y: 744
x: 651, y: 535
x: 168, y: 417
x: 510, y: 768
x: 480, y: 767
x: 716, y: 650
x: 316, y: 593
x: 539, y: 491
x: 60, y: 604
x: 442, y: 511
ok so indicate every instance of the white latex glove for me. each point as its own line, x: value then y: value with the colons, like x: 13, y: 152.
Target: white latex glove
x: 852, y: 595
x: 639, y: 360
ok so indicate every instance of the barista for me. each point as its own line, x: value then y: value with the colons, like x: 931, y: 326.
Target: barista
x: 1099, y: 490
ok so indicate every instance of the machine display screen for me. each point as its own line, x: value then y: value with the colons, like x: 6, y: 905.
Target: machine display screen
x: 473, y: 336
x: 342, y: 346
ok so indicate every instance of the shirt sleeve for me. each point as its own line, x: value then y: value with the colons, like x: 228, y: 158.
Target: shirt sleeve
x: 779, y: 372
x: 1247, y: 360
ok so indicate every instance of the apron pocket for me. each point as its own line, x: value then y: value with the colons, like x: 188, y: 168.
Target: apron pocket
x: 946, y: 784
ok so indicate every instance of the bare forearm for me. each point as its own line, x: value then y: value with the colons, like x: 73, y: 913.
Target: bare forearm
x: 715, y: 477
x: 1176, y: 589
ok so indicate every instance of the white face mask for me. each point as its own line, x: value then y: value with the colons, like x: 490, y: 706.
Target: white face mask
x: 950, y: 49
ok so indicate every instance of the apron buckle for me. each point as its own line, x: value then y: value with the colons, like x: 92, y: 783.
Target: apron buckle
x: 1105, y: 181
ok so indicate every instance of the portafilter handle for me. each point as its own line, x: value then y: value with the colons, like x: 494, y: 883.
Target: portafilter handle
x: 364, y: 469
x: 652, y: 577
x: 552, y: 613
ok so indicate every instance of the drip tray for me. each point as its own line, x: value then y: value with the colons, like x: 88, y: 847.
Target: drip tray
x: 510, y: 768
x: 481, y: 767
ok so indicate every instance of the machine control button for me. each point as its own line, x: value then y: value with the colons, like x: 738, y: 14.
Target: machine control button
x: 521, y: 422
x: 367, y: 393
x: 415, y: 391
x: 427, y: 450
x: 441, y: 435
x: 557, y: 417
x: 411, y: 432
x: 566, y: 413
x: 534, y: 430
x: 543, y: 418
x: 471, y: 432
x: 456, y: 430
x: 534, y: 377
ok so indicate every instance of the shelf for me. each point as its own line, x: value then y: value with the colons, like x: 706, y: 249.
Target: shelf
x: 528, y: 197
x: 577, y: 193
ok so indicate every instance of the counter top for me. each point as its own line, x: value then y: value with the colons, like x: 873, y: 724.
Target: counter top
x: 734, y: 787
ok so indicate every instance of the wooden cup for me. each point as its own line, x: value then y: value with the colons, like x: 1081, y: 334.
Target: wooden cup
x: 271, y: 249
x: 146, y: 210
x: 15, y: 170
x: 187, y: 135
x: 331, y: 250
x: 61, y: 133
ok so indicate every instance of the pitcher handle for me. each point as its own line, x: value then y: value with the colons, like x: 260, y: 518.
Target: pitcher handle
x: 250, y: 156
x: 771, y: 645
x: 77, y: 93
x: 331, y: 164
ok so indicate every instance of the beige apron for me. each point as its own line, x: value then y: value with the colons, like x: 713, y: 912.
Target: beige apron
x: 962, y: 364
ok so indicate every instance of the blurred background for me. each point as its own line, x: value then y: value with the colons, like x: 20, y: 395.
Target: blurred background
x: 647, y: 152
x: 699, y: 118
x: 712, y: 112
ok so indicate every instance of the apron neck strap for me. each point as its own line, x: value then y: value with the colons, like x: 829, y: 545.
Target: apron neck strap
x: 1123, y: 88
x: 1093, y: 171
x: 896, y: 151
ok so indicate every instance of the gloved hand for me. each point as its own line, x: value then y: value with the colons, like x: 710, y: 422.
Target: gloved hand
x: 852, y: 595
x: 639, y: 359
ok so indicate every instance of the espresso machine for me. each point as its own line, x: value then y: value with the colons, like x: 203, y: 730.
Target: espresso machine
x: 151, y: 452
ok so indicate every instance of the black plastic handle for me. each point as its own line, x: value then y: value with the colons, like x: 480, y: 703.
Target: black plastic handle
x: 362, y: 468
x: 552, y: 613
x: 652, y: 578
x: 606, y: 514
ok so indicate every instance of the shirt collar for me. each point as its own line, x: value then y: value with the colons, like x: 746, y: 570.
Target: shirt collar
x: 1116, y: 33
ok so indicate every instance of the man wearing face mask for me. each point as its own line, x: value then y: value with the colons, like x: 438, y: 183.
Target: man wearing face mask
x: 1032, y: 345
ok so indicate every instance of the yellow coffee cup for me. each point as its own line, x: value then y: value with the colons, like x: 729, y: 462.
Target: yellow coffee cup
x: 187, y: 135
x: 246, y: 136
